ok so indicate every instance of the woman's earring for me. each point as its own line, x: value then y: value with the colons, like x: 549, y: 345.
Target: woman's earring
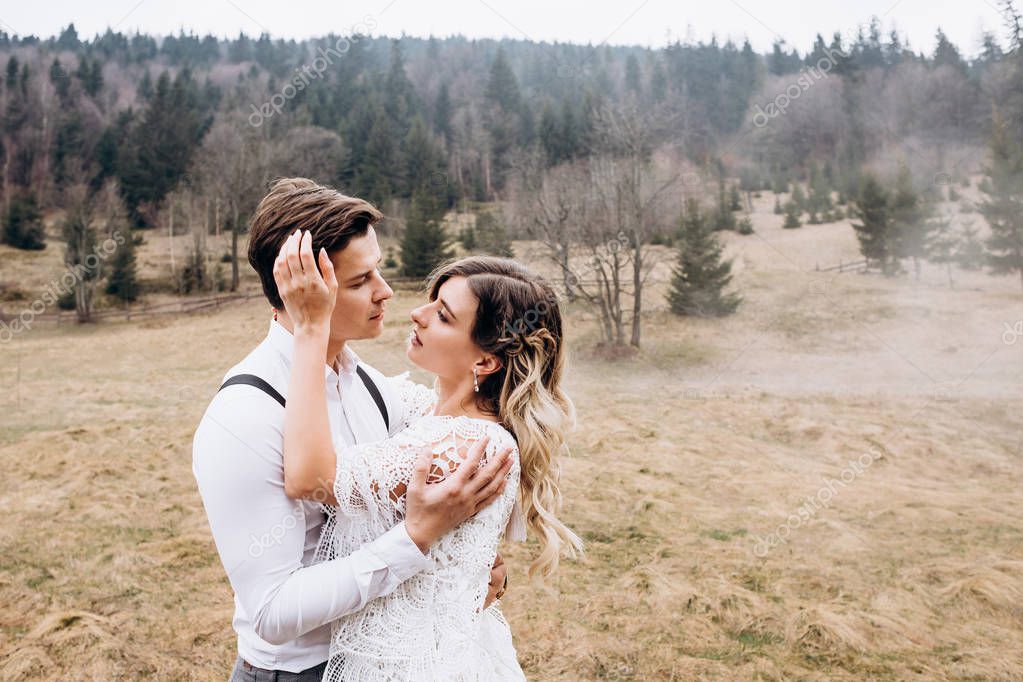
x: 475, y: 380
x: 275, y: 313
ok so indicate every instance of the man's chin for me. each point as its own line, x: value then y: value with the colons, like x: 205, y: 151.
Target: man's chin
x: 375, y: 329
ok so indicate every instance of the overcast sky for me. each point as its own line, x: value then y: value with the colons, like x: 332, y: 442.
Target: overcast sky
x: 626, y: 22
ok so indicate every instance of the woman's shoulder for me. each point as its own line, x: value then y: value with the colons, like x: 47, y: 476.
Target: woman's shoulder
x: 468, y: 428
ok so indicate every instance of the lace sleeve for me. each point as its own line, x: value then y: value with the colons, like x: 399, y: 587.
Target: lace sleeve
x: 415, y: 399
x: 432, y: 626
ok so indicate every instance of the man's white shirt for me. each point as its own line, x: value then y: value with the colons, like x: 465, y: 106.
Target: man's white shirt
x: 284, y: 602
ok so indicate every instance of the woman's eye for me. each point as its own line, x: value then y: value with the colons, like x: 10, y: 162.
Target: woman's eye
x: 440, y: 314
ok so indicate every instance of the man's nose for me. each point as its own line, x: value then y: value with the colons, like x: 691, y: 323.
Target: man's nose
x: 384, y: 292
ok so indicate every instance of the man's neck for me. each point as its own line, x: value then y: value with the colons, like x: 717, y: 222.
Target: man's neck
x: 334, y: 346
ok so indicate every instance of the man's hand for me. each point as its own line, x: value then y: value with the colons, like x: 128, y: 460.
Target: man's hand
x: 434, y: 509
x: 498, y: 580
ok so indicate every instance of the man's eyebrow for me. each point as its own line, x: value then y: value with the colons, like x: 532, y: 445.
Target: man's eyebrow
x: 444, y: 303
x: 364, y: 274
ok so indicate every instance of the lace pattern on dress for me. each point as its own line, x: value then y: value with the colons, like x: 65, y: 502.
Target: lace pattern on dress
x: 432, y: 626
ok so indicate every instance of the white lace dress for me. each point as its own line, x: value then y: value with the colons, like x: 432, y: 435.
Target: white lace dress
x: 433, y: 626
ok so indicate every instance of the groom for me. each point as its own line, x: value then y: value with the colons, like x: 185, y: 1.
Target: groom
x: 286, y: 595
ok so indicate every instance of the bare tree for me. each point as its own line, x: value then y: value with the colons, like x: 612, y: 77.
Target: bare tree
x: 596, y: 219
x: 543, y: 204
x: 91, y: 231
x: 234, y: 168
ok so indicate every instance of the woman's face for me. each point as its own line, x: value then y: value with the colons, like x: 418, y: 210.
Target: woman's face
x: 441, y: 339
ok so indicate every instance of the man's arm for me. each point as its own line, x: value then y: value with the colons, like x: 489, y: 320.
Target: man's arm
x: 260, y: 533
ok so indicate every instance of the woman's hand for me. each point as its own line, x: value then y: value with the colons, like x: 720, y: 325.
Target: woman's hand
x: 308, y: 296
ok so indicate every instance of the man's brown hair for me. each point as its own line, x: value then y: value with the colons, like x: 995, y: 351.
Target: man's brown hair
x: 292, y: 204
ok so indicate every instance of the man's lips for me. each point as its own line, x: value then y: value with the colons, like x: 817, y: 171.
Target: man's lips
x: 378, y: 316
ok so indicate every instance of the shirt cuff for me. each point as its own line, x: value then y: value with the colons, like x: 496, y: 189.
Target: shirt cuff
x: 402, y: 556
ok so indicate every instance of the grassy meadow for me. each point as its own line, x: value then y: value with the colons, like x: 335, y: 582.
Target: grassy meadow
x: 688, y: 457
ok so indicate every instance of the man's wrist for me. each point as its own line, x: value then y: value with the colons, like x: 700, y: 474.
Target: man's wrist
x: 421, y: 539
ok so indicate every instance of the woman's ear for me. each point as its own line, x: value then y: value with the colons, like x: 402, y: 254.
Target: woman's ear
x: 487, y: 365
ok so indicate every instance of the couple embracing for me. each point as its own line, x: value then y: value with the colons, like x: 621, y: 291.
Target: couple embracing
x: 358, y: 516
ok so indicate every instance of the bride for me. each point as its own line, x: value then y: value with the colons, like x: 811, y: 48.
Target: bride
x: 491, y: 333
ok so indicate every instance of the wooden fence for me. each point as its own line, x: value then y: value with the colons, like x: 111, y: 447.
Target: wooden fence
x: 843, y: 266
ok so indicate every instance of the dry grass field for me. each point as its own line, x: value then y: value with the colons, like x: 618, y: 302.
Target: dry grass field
x: 888, y: 411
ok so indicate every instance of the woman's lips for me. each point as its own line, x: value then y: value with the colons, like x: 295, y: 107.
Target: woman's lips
x: 414, y: 337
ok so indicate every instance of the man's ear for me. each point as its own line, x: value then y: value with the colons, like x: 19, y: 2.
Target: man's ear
x: 487, y: 365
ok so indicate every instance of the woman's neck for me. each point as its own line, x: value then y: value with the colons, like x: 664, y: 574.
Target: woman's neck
x: 456, y: 398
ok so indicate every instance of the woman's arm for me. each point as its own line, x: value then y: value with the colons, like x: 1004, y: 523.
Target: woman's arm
x: 309, y: 457
x: 310, y: 462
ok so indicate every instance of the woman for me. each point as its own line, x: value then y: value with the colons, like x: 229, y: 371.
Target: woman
x: 491, y: 333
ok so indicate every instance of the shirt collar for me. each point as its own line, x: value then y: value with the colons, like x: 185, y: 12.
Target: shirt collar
x: 284, y: 342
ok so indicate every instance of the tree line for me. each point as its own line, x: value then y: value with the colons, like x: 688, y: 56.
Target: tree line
x: 134, y: 132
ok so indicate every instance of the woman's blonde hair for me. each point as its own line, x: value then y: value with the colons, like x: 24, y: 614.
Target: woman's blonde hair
x: 518, y: 320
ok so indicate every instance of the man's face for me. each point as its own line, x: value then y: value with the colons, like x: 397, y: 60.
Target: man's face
x: 362, y: 293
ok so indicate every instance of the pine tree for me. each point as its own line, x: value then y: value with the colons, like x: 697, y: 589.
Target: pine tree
x: 504, y: 116
x: 122, y: 283
x: 970, y: 255
x: 550, y: 135
x: 61, y: 81
x: 442, y: 112
x: 23, y: 228
x: 467, y: 236
x: 399, y: 95
x: 798, y: 196
x: 424, y: 162
x: 734, y: 199
x: 698, y: 285
x: 492, y: 237
x: 633, y: 77
x: 145, y: 89
x: 375, y: 176
x: 818, y: 203
x: 503, y: 87
x: 874, y: 232
x: 1003, y: 205
x: 724, y: 219
x: 161, y: 145
x: 792, y: 214
x: 424, y: 245
x: 909, y: 225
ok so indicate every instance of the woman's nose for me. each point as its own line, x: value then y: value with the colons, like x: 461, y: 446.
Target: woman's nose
x: 417, y: 316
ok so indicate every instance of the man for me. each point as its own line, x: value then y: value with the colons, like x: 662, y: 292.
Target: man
x: 286, y: 594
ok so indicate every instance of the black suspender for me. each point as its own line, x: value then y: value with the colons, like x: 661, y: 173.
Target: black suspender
x: 256, y: 382
x: 375, y: 392
x: 253, y: 380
